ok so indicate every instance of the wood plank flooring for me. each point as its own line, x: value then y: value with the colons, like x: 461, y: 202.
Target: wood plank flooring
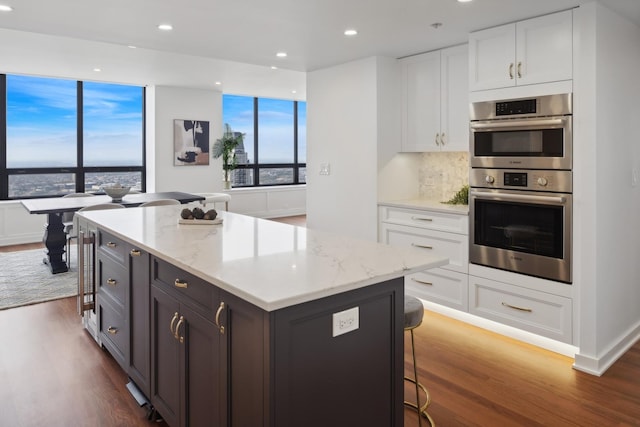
x: 53, y: 374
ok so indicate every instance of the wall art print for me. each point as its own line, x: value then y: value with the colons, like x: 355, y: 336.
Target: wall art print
x: 190, y: 142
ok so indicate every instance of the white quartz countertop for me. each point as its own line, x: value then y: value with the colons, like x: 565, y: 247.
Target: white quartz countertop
x: 427, y: 204
x: 270, y: 264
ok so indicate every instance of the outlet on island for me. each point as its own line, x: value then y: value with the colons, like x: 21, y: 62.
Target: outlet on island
x: 346, y: 321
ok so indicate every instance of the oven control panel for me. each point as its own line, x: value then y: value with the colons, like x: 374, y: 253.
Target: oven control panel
x: 560, y: 181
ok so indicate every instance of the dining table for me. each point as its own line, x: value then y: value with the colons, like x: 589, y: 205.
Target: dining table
x: 54, y: 236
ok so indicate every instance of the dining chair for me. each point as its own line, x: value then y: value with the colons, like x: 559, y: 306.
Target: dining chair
x: 99, y: 206
x: 67, y: 222
x: 160, y: 202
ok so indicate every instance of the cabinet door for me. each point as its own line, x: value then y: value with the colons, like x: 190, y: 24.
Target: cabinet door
x: 203, y: 384
x: 139, y: 361
x: 167, y: 358
x: 492, y: 55
x: 454, y: 106
x: 544, y: 47
x: 421, y: 102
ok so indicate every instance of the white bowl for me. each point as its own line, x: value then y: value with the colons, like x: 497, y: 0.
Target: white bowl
x: 116, y: 192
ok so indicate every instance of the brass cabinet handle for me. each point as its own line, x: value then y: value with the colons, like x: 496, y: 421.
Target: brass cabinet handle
x: 111, y: 281
x: 437, y: 142
x: 218, y: 313
x: 519, y: 69
x: 178, y: 336
x: 422, y: 281
x: 180, y: 284
x: 528, y: 310
x: 442, y: 141
x: 111, y: 244
x: 112, y: 330
x: 511, y: 71
x: 135, y: 252
x: 421, y: 246
x: 175, y: 317
x: 418, y: 218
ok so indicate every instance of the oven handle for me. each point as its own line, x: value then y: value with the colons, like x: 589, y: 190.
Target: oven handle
x: 521, y: 197
x: 518, y: 124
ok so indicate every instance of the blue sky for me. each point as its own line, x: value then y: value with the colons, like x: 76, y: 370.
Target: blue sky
x: 41, y: 123
x: 275, y: 124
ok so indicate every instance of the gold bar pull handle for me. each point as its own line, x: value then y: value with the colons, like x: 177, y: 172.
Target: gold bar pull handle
x: 111, y: 245
x: 442, y: 139
x: 415, y: 245
x: 511, y: 71
x: 218, y: 313
x: 419, y: 218
x: 112, y: 330
x: 180, y: 284
x: 177, y: 335
x: 173, y: 320
x: 135, y: 252
x: 111, y: 281
x: 437, y: 141
x: 422, y: 282
x: 515, y: 307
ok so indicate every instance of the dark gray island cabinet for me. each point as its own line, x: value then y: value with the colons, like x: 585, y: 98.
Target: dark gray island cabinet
x: 218, y: 329
x: 217, y: 360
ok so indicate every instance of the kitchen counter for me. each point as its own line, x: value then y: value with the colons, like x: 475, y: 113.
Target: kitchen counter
x: 269, y: 264
x: 432, y: 205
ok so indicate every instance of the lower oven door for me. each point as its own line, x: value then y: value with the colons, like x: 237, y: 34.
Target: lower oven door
x: 522, y: 231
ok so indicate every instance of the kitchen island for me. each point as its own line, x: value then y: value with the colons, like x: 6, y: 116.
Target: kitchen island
x: 253, y: 322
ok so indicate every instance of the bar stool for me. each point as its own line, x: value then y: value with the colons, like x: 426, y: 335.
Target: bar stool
x: 413, y: 314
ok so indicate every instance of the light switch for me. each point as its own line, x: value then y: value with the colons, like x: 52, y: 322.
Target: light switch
x: 325, y: 169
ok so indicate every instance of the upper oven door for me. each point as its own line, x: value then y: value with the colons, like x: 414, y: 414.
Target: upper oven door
x: 530, y: 143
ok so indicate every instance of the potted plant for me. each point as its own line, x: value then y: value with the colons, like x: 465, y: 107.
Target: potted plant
x: 225, y: 148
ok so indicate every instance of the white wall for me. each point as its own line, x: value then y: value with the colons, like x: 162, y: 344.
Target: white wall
x: 607, y: 205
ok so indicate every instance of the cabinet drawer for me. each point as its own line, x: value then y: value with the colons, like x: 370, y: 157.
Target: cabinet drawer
x: 114, y: 330
x: 431, y: 220
x: 112, y: 279
x: 112, y: 246
x: 453, y: 246
x: 196, y: 292
x: 538, y: 312
x: 441, y: 286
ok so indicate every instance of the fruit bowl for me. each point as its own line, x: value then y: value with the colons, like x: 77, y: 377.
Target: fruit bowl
x: 116, y: 192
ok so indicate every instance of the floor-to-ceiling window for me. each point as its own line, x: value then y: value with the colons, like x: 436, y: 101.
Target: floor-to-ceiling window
x: 274, y: 146
x: 60, y: 136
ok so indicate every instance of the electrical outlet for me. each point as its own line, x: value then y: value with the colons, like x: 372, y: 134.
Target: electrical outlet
x: 346, y: 321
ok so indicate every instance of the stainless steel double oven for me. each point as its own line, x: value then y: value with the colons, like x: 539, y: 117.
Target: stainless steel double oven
x: 520, y: 203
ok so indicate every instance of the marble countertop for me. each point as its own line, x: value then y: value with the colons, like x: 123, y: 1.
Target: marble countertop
x: 426, y: 204
x: 270, y: 264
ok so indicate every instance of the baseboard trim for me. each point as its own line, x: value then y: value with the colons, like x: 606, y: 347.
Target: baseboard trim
x: 599, y: 365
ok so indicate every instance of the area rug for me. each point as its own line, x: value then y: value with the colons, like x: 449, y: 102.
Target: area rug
x: 25, y: 279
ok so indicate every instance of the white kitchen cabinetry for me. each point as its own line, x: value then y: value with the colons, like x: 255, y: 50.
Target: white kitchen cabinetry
x: 435, y: 232
x: 534, y: 311
x: 538, y: 50
x: 435, y: 105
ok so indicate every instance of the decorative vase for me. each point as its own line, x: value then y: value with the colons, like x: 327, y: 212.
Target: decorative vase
x: 227, y: 185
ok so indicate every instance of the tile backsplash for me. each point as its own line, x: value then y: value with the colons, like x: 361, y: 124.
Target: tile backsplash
x: 442, y: 174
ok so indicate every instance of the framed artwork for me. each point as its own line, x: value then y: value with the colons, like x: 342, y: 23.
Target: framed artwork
x: 190, y: 142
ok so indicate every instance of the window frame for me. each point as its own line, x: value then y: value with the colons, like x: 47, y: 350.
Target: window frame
x: 78, y: 171
x: 256, y: 166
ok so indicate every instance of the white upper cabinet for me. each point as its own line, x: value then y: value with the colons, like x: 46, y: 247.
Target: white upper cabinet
x: 538, y: 50
x: 435, y: 106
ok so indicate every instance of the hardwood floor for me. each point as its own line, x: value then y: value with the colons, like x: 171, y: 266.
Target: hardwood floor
x: 53, y: 374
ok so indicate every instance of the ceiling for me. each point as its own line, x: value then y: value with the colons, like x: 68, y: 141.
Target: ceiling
x: 252, y: 31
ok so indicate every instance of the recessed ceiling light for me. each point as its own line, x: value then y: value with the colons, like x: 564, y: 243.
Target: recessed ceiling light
x: 97, y: 70
x: 464, y: 1
x: 165, y: 27
x: 273, y: 67
x: 350, y: 32
x: 5, y: 8
x: 281, y: 54
x: 294, y: 91
x: 131, y: 46
x: 218, y: 83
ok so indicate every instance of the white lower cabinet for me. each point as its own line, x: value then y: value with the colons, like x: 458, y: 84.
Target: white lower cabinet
x: 445, y: 287
x: 542, y: 313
